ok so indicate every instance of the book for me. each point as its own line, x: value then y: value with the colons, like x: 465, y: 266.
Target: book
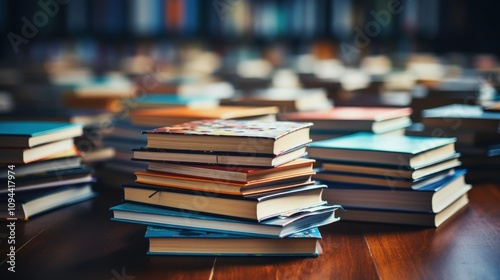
x: 460, y: 116
x: 256, y: 207
x: 50, y: 179
x: 177, y: 115
x: 465, y: 136
x: 45, y: 165
x: 28, y: 134
x: 30, y: 204
x: 76, y: 116
x: 286, y: 99
x: 380, y: 180
x: 170, y: 241
x: 370, y: 119
x: 235, y: 173
x: 392, y: 171
x: 221, y: 186
x: 221, y: 158
x: 149, y: 101
x: 412, y: 151
x: 433, y: 197
x: 274, y: 227
x: 27, y: 155
x: 254, y: 137
x: 427, y: 219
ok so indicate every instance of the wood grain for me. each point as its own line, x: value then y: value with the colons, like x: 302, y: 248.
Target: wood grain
x: 81, y: 242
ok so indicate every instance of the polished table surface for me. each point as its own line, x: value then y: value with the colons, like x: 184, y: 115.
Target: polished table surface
x: 81, y: 242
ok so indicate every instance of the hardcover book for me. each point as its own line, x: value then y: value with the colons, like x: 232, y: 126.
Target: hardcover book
x: 381, y: 180
x: 460, y: 116
x: 235, y: 173
x: 27, y: 155
x: 256, y: 207
x: 433, y: 197
x: 254, y: 137
x: 427, y: 219
x: 27, y: 134
x: 412, y: 151
x: 177, y: 115
x: 391, y: 171
x: 29, y: 204
x: 219, y: 158
x: 170, y: 241
x: 50, y: 179
x: 370, y: 119
x: 221, y: 186
x: 275, y: 227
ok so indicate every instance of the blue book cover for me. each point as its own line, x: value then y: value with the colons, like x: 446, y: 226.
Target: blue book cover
x: 175, y: 218
x: 383, y: 143
x: 363, y: 147
x: 28, y: 134
x: 32, y: 128
x: 170, y: 241
x: 175, y: 100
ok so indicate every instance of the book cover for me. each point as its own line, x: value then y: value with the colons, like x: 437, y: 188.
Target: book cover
x: 50, y: 179
x: 235, y: 173
x: 386, y: 149
x: 275, y: 227
x: 427, y: 219
x: 255, y: 207
x: 170, y: 241
x: 256, y: 137
x: 26, y: 134
x: 432, y: 197
x: 36, y: 202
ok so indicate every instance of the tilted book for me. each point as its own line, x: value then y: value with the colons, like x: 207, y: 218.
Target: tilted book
x: 256, y: 207
x: 275, y: 227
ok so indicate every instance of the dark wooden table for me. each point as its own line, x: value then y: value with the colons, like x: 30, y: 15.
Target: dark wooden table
x: 81, y: 242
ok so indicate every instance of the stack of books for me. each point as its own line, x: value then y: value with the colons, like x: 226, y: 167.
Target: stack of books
x: 41, y: 169
x: 96, y: 124
x: 341, y: 121
x: 228, y: 187
x: 392, y: 179
x: 477, y: 132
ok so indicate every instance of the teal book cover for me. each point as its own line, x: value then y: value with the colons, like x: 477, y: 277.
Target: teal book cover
x: 383, y: 143
x: 175, y: 100
x: 32, y: 128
